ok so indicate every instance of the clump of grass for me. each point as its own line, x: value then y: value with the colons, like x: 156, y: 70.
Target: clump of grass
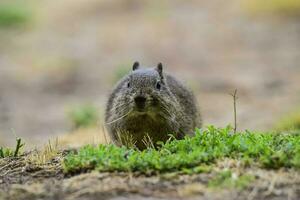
x: 125, y: 139
x: 266, y: 149
x: 13, y: 14
x: 7, y: 152
x: 83, y: 116
x: 227, y: 179
x: 49, y: 152
x: 290, y: 122
x: 277, y: 7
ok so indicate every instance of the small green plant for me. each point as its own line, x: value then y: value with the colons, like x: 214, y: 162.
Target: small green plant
x: 269, y: 150
x: 7, y: 152
x: 13, y: 15
x: 227, y: 179
x: 83, y: 116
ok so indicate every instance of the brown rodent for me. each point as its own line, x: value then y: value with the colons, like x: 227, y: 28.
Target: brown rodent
x: 150, y: 102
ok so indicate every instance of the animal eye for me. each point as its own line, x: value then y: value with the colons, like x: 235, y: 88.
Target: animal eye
x: 158, y: 85
x: 128, y: 84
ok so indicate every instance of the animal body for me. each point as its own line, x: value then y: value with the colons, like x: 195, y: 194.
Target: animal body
x: 150, y: 103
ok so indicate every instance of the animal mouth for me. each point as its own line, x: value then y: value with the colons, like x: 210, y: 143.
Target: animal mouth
x: 142, y: 105
x: 140, y: 110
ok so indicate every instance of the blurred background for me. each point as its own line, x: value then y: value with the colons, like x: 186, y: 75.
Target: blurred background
x: 60, y: 58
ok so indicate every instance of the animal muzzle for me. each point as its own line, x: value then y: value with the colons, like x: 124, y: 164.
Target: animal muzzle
x: 140, y: 102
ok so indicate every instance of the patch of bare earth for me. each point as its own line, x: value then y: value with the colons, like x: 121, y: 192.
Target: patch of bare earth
x: 20, y: 179
x: 22, y: 171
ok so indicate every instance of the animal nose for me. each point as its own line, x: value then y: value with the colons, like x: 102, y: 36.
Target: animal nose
x: 140, y: 101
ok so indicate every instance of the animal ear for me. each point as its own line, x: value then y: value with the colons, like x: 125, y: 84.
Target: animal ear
x: 135, y: 66
x: 159, y: 69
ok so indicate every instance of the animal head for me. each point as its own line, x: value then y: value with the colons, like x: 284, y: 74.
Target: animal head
x: 144, y: 90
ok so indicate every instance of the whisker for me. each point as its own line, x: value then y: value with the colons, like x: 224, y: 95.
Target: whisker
x: 119, y: 118
x: 116, y: 107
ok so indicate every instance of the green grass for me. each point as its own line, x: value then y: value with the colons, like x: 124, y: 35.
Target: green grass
x: 82, y: 116
x: 13, y: 14
x: 7, y: 152
x: 265, y: 149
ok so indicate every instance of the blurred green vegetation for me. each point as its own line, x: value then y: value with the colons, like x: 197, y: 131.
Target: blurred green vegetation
x: 8, y: 152
x: 14, y: 14
x: 157, y: 10
x: 82, y: 116
x: 120, y: 72
x: 226, y: 179
x: 277, y: 7
x: 289, y: 122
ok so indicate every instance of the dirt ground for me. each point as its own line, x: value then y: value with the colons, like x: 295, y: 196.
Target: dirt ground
x: 22, y: 180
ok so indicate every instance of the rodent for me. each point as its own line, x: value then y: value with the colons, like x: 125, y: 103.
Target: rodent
x: 150, y: 102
